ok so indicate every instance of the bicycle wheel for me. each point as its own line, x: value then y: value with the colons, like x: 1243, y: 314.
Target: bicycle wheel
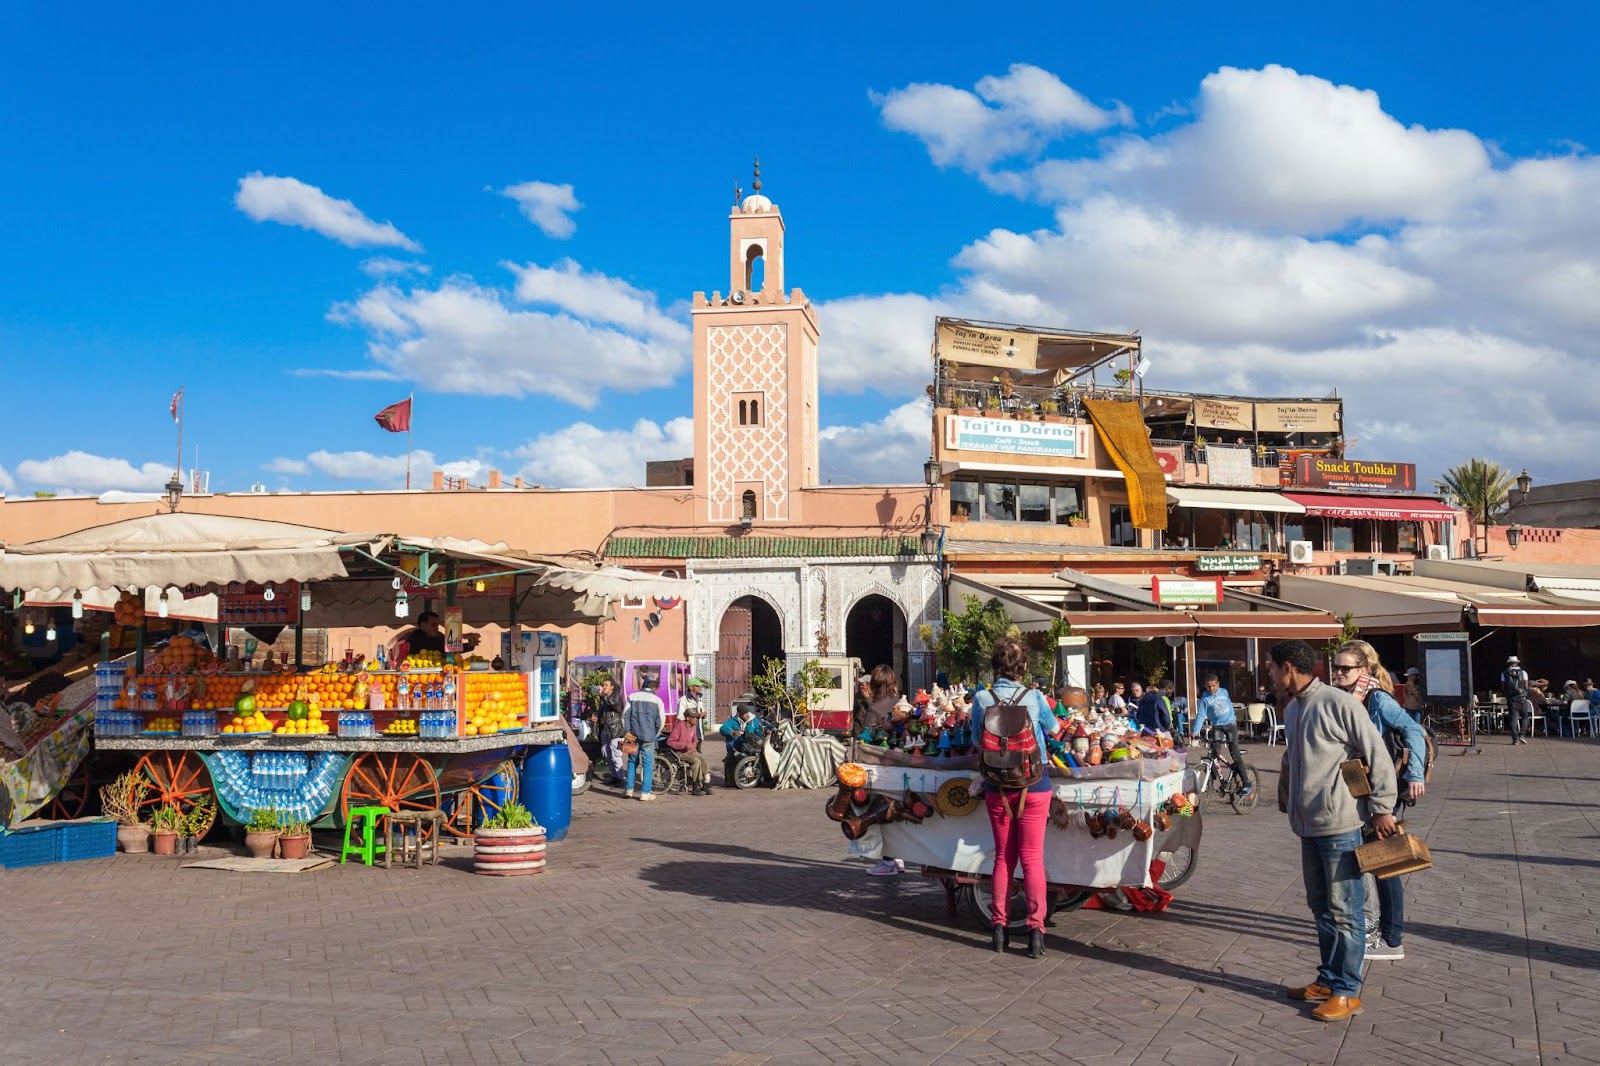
x: 1243, y: 802
x: 1179, y: 868
x: 1208, y: 788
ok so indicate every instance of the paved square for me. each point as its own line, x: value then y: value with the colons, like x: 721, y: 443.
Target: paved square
x: 731, y: 931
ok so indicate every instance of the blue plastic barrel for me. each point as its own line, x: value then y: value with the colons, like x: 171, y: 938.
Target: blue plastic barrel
x: 547, y: 788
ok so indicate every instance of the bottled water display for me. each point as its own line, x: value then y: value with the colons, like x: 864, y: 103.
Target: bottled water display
x: 200, y: 723
x: 356, y: 724
x: 298, y: 784
x: 435, y: 725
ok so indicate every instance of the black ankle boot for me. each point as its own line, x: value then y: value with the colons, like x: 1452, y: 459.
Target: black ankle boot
x: 1035, y: 943
x: 1002, y: 938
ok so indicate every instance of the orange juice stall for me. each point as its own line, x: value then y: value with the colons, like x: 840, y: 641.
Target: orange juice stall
x: 208, y: 726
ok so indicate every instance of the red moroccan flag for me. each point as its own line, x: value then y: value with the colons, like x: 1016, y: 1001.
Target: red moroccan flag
x: 396, y: 418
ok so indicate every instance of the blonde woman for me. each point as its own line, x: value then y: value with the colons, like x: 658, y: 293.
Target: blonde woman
x: 1356, y: 669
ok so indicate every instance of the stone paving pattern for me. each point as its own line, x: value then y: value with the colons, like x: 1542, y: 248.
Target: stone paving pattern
x: 732, y: 931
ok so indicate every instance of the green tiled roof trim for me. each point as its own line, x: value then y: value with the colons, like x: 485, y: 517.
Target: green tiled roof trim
x: 751, y: 547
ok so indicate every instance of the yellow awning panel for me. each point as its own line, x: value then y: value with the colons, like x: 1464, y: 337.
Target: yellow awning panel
x: 1123, y: 432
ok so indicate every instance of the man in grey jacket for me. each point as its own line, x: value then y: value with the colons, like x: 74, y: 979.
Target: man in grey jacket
x: 1323, y: 729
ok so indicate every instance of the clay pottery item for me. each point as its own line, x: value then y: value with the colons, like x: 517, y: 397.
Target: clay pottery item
x: 133, y: 839
x: 1141, y: 830
x: 165, y: 841
x: 839, y: 805
x: 878, y: 809
x: 261, y: 842
x: 1163, y: 821
x: 1095, y: 822
x: 295, y: 847
x: 1125, y: 818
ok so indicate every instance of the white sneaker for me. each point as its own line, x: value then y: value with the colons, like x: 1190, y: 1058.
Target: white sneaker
x: 629, y: 794
x: 887, y: 868
x: 1382, y: 952
x: 647, y: 797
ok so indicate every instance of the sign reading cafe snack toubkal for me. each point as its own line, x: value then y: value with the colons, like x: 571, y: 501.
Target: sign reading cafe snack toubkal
x: 1322, y: 472
x: 1057, y: 439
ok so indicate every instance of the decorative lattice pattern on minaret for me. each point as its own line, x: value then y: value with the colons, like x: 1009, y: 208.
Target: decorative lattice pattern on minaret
x: 747, y: 359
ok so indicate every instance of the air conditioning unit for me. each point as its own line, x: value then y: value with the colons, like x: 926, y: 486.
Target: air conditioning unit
x: 1300, y: 551
x: 1358, y: 567
x: 1387, y: 567
x: 1438, y: 553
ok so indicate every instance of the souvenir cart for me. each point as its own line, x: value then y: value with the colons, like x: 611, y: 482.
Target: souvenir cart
x: 233, y: 738
x: 1126, y: 821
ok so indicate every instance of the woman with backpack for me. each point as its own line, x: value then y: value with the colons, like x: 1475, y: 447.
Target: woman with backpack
x: 1356, y: 669
x: 1010, y: 723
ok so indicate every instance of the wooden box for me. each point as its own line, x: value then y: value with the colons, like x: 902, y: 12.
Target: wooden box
x: 1356, y: 778
x: 1399, y: 854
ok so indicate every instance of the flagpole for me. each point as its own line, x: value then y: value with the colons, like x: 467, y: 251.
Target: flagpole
x: 411, y: 411
x: 178, y: 473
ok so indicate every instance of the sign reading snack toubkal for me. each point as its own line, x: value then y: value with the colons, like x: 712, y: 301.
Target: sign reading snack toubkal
x: 1058, y: 439
x: 1322, y: 472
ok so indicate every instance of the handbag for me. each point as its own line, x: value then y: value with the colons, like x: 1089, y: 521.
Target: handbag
x: 630, y: 745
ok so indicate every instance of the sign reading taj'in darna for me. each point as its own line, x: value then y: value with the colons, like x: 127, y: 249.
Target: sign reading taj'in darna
x: 1057, y: 439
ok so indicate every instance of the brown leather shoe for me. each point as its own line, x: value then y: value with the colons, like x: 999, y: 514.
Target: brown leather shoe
x: 1337, y: 1009
x: 1312, y: 993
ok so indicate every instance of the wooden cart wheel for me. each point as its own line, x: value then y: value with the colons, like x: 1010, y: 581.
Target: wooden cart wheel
x: 73, y: 799
x: 394, y: 780
x: 481, y: 801
x: 177, y: 779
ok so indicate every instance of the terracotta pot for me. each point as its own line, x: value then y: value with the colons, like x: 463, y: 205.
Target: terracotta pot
x: 166, y: 841
x: 295, y: 847
x: 260, y: 842
x: 134, y: 839
x: 508, y: 852
x: 967, y: 412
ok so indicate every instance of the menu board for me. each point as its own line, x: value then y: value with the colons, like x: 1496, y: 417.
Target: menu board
x: 246, y: 603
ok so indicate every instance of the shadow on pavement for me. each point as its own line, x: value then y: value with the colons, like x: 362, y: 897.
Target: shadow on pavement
x: 1545, y: 860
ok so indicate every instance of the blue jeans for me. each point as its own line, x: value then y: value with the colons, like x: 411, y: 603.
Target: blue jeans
x: 645, y: 757
x: 1338, y: 903
x: 1390, y: 893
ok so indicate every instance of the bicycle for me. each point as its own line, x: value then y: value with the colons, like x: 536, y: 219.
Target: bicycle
x: 1220, y: 778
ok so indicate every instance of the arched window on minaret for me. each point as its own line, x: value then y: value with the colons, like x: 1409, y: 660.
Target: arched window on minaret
x: 755, y: 269
x: 744, y: 413
x: 747, y: 504
x: 755, y: 412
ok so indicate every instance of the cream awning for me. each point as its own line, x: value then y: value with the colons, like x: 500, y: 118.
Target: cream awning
x: 1232, y: 500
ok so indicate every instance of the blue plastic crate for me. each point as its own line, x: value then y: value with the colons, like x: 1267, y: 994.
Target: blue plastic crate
x: 33, y: 845
x: 86, y: 838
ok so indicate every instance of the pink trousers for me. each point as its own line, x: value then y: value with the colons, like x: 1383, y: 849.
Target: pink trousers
x: 1019, y: 838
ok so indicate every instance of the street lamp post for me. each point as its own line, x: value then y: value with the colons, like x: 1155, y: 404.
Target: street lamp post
x: 1514, y: 531
x: 930, y: 536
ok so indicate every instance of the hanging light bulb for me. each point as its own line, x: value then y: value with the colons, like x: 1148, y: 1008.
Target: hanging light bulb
x: 269, y: 593
x: 402, y: 605
x: 50, y: 630
x: 27, y: 627
x: 77, y: 605
x: 396, y: 582
x: 305, y: 598
x: 479, y: 585
x: 161, y: 604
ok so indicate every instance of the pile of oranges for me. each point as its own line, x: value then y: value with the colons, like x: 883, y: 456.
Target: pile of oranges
x: 181, y: 656
x: 492, y: 702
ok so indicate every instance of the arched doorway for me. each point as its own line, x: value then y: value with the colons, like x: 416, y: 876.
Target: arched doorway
x: 750, y: 634
x: 875, y: 632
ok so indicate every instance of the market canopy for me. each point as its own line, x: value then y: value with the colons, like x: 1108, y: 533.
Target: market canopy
x: 1418, y: 604
x: 178, y: 549
x: 1382, y: 508
x: 1573, y: 581
x: 1233, y: 500
x: 1024, y: 350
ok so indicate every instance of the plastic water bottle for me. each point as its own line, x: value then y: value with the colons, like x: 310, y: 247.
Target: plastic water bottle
x: 405, y: 692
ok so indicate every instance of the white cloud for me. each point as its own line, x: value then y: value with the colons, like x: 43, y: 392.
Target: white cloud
x: 467, y: 338
x: 1014, y: 114
x: 387, y: 471
x: 1288, y: 237
x: 891, y: 450
x: 292, y: 467
x: 7, y: 482
x: 584, y: 456
x: 294, y: 203
x: 546, y: 206
x: 346, y: 375
x: 383, y: 266
x: 81, y: 472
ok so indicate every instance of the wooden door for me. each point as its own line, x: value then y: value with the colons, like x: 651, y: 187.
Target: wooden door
x: 735, y: 646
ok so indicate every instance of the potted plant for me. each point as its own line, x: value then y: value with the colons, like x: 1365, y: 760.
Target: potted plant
x: 164, y: 825
x: 991, y: 406
x: 1123, y: 376
x: 960, y: 513
x: 511, y: 844
x: 121, y: 800
x: 1050, y: 411
x: 1077, y: 520
x: 295, y: 840
x: 194, y: 825
x: 261, y: 832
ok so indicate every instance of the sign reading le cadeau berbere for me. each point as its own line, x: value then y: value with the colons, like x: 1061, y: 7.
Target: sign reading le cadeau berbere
x: 1057, y: 439
x: 1322, y: 472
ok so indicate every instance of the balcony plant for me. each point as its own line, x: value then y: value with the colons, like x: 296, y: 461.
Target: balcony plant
x: 1050, y: 411
x: 991, y: 405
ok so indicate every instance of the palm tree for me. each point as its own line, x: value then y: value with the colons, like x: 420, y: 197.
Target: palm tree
x: 1477, y: 486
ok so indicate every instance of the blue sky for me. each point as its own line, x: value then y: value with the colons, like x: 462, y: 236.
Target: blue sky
x: 1402, y: 206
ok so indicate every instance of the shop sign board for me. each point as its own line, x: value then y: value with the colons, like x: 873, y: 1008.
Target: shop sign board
x: 497, y: 584
x: 987, y: 346
x: 1325, y: 472
x: 1224, y: 414
x: 1060, y: 440
x: 452, y: 631
x: 245, y: 603
x: 1227, y: 564
x: 1299, y: 417
x: 1171, y: 591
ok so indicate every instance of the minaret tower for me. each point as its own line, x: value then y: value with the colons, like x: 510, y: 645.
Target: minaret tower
x: 755, y: 378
